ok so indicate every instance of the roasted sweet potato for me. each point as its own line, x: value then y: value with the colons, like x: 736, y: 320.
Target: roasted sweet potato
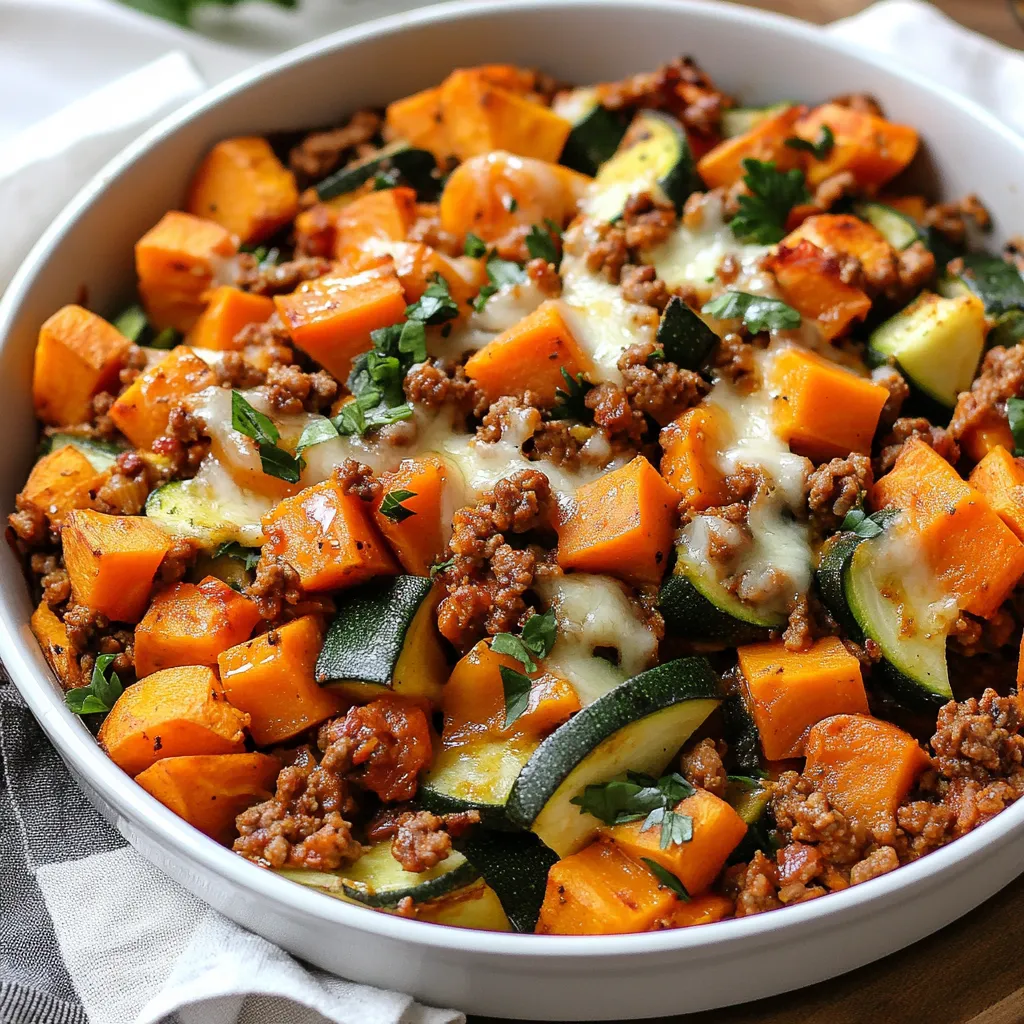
x: 227, y: 312
x: 690, y: 445
x: 723, y: 165
x: 53, y: 639
x: 62, y: 481
x: 848, y: 235
x: 170, y: 714
x: 78, y: 355
x: 416, y: 539
x: 387, y: 215
x: 1000, y: 477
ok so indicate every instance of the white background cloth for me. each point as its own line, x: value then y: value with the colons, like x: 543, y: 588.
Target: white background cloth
x: 78, y: 80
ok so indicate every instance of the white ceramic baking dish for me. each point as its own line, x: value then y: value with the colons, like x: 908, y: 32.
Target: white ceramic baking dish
x: 761, y: 58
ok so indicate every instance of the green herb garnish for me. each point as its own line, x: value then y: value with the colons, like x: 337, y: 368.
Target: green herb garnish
x: 663, y: 875
x: 1015, y: 415
x: 101, y: 693
x: 634, y: 798
x: 820, y: 148
x: 516, y: 687
x: 764, y: 210
x: 168, y: 338
x: 180, y: 11
x: 499, y: 274
x: 541, y: 245
x: 475, y: 246
x: 758, y: 312
x: 439, y: 567
x: 571, y: 403
x: 256, y: 425
x: 393, y: 508
x: 232, y: 549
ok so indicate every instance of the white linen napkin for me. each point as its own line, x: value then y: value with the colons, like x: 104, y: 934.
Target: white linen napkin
x: 78, y: 80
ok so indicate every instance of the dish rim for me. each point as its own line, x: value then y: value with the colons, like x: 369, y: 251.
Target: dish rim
x: 79, y: 748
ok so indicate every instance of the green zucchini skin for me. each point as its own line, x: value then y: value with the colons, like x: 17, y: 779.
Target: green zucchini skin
x: 101, y: 454
x: 1008, y: 330
x: 740, y: 120
x: 754, y: 807
x: 594, y: 139
x: 415, y: 165
x: 366, y: 637
x: 516, y: 867
x: 741, y: 733
x: 997, y: 283
x: 684, y: 338
x: 638, y: 700
x: 897, y: 228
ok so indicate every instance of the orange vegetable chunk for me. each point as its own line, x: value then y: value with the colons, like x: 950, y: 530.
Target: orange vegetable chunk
x: 78, y: 355
x: 529, y: 356
x: 62, y: 481
x: 192, y: 624
x: 872, y: 149
x: 210, y: 790
x: 328, y: 537
x: 417, y: 119
x: 723, y: 165
x: 480, y: 117
x: 1000, y: 478
x: 810, y: 282
x: 822, y: 410
x: 244, y: 187
x: 792, y: 690
x: 330, y: 318
x: 416, y: 264
x: 717, y: 831
x: 621, y: 524
x: 602, y: 891
x: 229, y: 310
x: 704, y: 909
x: 176, y: 261
x: 850, y: 236
x: 170, y: 714
x: 142, y: 410
x: 388, y: 214
x: 111, y: 561
x: 474, y: 699
x: 974, y: 554
x: 914, y: 207
x: 52, y: 636
x: 417, y: 540
x: 271, y: 678
x: 690, y: 445
x: 991, y: 430
x: 866, y: 767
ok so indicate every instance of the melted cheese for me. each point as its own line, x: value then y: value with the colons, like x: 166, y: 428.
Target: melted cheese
x: 594, y: 612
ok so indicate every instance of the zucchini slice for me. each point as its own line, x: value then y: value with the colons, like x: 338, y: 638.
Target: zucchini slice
x: 194, y: 508
x: 383, y: 639
x: 936, y: 343
x: 684, y: 338
x: 596, y: 131
x: 697, y: 607
x: 516, y: 867
x: 657, y: 159
x: 476, y: 777
x: 740, y: 120
x: 997, y: 283
x: 896, y: 228
x: 637, y: 726
x: 473, y: 906
x: 1008, y: 330
x: 878, y: 588
x: 741, y: 733
x: 416, y: 166
x: 378, y: 880
x: 751, y: 800
x: 101, y: 454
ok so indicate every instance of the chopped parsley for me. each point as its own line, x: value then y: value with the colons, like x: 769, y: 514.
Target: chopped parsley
x: 103, y: 690
x: 663, y: 875
x: 259, y: 427
x: 393, y: 508
x: 232, y: 549
x: 758, y: 312
x: 820, y: 148
x: 571, y: 404
x: 516, y: 687
x: 439, y: 567
x: 640, y: 797
x: 475, y: 246
x: 859, y: 522
x: 510, y: 203
x: 541, y: 244
x: 1015, y: 415
x: 536, y: 641
x: 499, y: 274
x: 435, y: 305
x: 765, y: 208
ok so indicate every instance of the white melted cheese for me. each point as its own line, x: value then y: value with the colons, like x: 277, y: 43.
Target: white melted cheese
x: 504, y: 309
x: 594, y: 612
x: 601, y: 321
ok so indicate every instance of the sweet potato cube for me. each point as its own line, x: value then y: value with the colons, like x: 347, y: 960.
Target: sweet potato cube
x: 717, y: 831
x: 111, y: 561
x: 480, y: 117
x: 602, y: 891
x: 723, y: 165
x: 142, y: 410
x: 210, y: 790
x: 170, y: 714
x: 974, y: 554
x: 78, y: 355
x: 229, y: 310
x: 52, y: 636
x: 872, y: 149
x: 388, y: 215
x: 866, y: 767
x: 792, y: 690
x: 271, y: 677
x: 704, y: 909
x: 529, y: 356
x: 1000, y: 478
x: 810, y: 282
x: 192, y: 624
x: 850, y: 236
x: 621, y: 524
x: 175, y: 261
x: 416, y: 539
x: 330, y: 318
x: 690, y: 445
x: 62, y: 481
x: 990, y: 431
x: 329, y: 537
x: 474, y: 699
x: 416, y: 264
x: 417, y: 119
x: 242, y: 186
x: 821, y: 409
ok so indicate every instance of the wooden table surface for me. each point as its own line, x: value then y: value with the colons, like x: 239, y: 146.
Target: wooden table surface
x: 973, y: 971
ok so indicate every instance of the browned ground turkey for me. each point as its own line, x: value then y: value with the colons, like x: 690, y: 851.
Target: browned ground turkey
x: 280, y: 278
x: 702, y: 767
x: 435, y: 383
x: 950, y: 219
x: 835, y: 488
x: 1001, y: 377
x: 422, y: 840
x: 899, y: 391
x: 657, y: 387
x: 319, y: 153
x: 905, y: 428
